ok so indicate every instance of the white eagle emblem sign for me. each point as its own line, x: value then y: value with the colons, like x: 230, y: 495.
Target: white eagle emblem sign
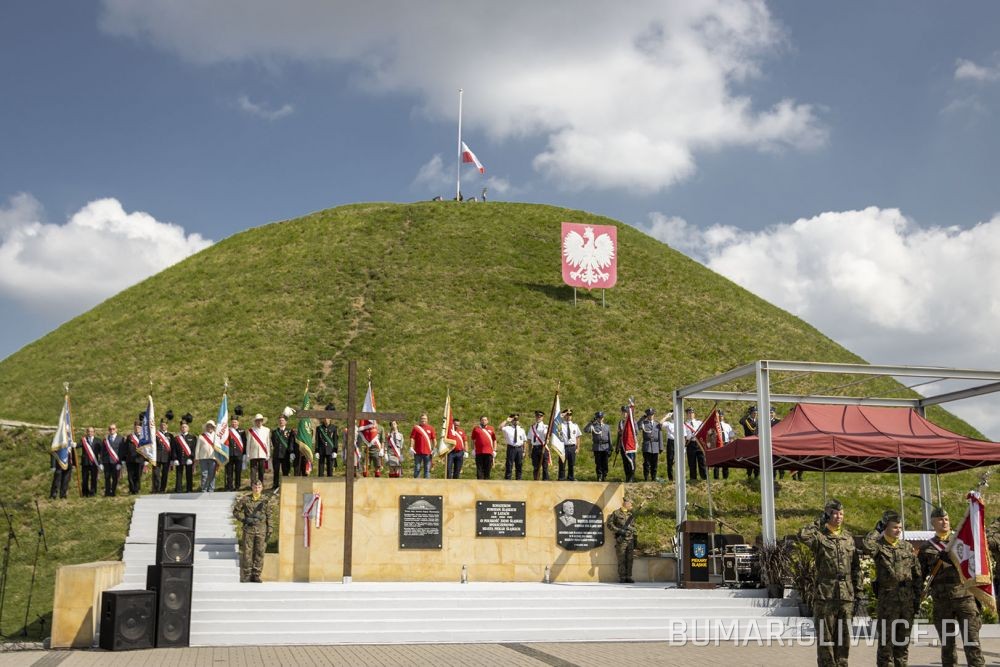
x: 589, y: 255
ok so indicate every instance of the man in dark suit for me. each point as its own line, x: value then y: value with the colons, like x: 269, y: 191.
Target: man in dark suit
x: 112, y: 449
x: 164, y: 453
x: 282, y: 449
x: 237, y: 449
x: 90, y: 459
x: 183, y: 455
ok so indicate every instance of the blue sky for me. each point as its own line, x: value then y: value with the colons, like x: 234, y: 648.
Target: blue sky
x: 839, y: 159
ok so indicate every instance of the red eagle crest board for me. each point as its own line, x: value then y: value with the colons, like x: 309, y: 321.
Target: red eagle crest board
x: 589, y: 255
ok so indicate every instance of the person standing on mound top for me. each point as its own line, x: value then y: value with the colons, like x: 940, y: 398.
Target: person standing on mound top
x: 422, y: 439
x: 622, y: 524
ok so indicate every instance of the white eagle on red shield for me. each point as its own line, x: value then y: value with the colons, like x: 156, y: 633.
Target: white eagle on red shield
x: 589, y: 255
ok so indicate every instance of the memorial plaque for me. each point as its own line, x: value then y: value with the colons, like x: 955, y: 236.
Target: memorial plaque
x: 420, y: 522
x: 579, y: 525
x: 500, y: 518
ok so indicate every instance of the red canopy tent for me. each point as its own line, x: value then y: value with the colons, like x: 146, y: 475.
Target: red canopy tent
x: 852, y: 438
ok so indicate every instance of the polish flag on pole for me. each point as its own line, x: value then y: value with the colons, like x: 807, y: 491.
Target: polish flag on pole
x: 970, y: 552
x: 469, y: 156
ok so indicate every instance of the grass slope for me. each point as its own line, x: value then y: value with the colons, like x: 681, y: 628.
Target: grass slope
x: 429, y: 296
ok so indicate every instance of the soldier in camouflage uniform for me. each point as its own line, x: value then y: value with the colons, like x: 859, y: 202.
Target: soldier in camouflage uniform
x: 897, y: 587
x: 253, y: 511
x: 993, y: 540
x: 955, y: 610
x: 838, y: 583
x: 622, y: 524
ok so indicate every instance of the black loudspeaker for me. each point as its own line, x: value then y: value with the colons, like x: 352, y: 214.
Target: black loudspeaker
x: 172, y: 585
x: 128, y: 619
x: 175, y: 539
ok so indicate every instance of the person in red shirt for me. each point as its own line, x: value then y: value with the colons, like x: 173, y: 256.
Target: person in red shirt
x: 484, y: 438
x: 456, y: 457
x: 422, y: 439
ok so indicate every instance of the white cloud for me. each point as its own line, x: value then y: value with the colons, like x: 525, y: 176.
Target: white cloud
x: 966, y: 70
x: 432, y: 175
x: 625, y: 94
x: 873, y: 280
x: 64, y: 269
x: 261, y: 111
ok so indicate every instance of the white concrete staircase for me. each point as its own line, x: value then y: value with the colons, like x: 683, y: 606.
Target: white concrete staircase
x: 216, y: 556
x: 390, y: 613
x: 225, y: 612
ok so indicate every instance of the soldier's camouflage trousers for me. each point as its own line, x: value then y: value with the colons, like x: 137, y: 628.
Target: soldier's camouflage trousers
x: 252, y: 547
x: 833, y: 632
x: 958, y: 618
x: 894, y: 620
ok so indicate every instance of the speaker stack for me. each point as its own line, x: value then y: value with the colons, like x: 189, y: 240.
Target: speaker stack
x: 172, y: 577
x: 159, y: 616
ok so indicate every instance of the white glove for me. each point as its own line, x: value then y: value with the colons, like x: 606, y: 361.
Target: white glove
x: 335, y: 455
x: 100, y: 466
x: 187, y: 462
x: 316, y: 456
x: 118, y: 466
x: 291, y: 457
x: 244, y: 459
x: 53, y: 468
x: 173, y: 464
x: 466, y: 455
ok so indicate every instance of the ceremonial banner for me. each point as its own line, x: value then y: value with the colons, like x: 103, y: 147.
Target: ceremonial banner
x: 449, y: 438
x: 220, y: 442
x: 366, y: 427
x: 970, y: 554
x: 589, y: 255
x: 62, y: 440
x: 304, y: 435
x: 629, y: 436
x: 709, y: 434
x: 555, y: 423
x: 147, y: 435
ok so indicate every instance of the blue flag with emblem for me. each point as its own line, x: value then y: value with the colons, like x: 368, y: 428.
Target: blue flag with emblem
x: 62, y: 441
x: 147, y: 434
x: 221, y: 441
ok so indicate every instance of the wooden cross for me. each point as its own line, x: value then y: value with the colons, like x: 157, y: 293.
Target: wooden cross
x: 352, y: 416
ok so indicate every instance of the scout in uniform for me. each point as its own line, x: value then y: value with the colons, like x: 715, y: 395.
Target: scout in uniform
x: 326, y: 439
x: 955, y: 609
x: 394, y: 450
x: 838, y: 583
x: 897, y: 587
x: 622, y: 524
x: 253, y: 511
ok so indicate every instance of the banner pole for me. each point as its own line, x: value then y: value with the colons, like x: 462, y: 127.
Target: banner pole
x: 458, y: 165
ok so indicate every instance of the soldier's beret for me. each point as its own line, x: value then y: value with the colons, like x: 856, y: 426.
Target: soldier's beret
x: 890, y: 516
x: 330, y: 406
x: 833, y: 505
x: 187, y: 418
x: 238, y: 411
x: 938, y: 513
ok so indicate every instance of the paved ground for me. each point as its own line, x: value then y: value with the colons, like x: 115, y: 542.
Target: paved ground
x: 480, y: 655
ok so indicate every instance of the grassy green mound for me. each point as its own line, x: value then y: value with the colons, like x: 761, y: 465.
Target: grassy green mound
x: 430, y: 296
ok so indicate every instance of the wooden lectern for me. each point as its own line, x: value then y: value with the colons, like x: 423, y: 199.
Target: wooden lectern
x: 697, y: 549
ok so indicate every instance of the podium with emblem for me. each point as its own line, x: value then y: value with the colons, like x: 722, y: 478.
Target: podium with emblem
x: 696, y: 541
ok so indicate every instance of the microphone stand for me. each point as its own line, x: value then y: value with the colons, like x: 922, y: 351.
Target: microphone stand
x: 11, y: 537
x: 40, y: 542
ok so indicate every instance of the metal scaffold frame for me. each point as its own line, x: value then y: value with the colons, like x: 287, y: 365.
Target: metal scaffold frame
x: 761, y: 372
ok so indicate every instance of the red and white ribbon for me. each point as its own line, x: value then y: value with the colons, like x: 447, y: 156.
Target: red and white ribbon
x: 312, y: 509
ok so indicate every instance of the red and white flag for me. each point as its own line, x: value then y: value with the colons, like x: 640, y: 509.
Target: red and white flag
x: 629, y: 439
x: 710, y: 432
x: 970, y: 553
x: 367, y: 427
x: 469, y: 156
x: 449, y: 436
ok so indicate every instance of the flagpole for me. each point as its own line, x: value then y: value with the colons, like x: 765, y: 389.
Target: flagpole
x: 458, y: 165
x: 72, y: 441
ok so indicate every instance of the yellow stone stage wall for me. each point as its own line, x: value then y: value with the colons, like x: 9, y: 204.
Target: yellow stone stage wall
x: 77, y: 601
x: 376, y: 553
